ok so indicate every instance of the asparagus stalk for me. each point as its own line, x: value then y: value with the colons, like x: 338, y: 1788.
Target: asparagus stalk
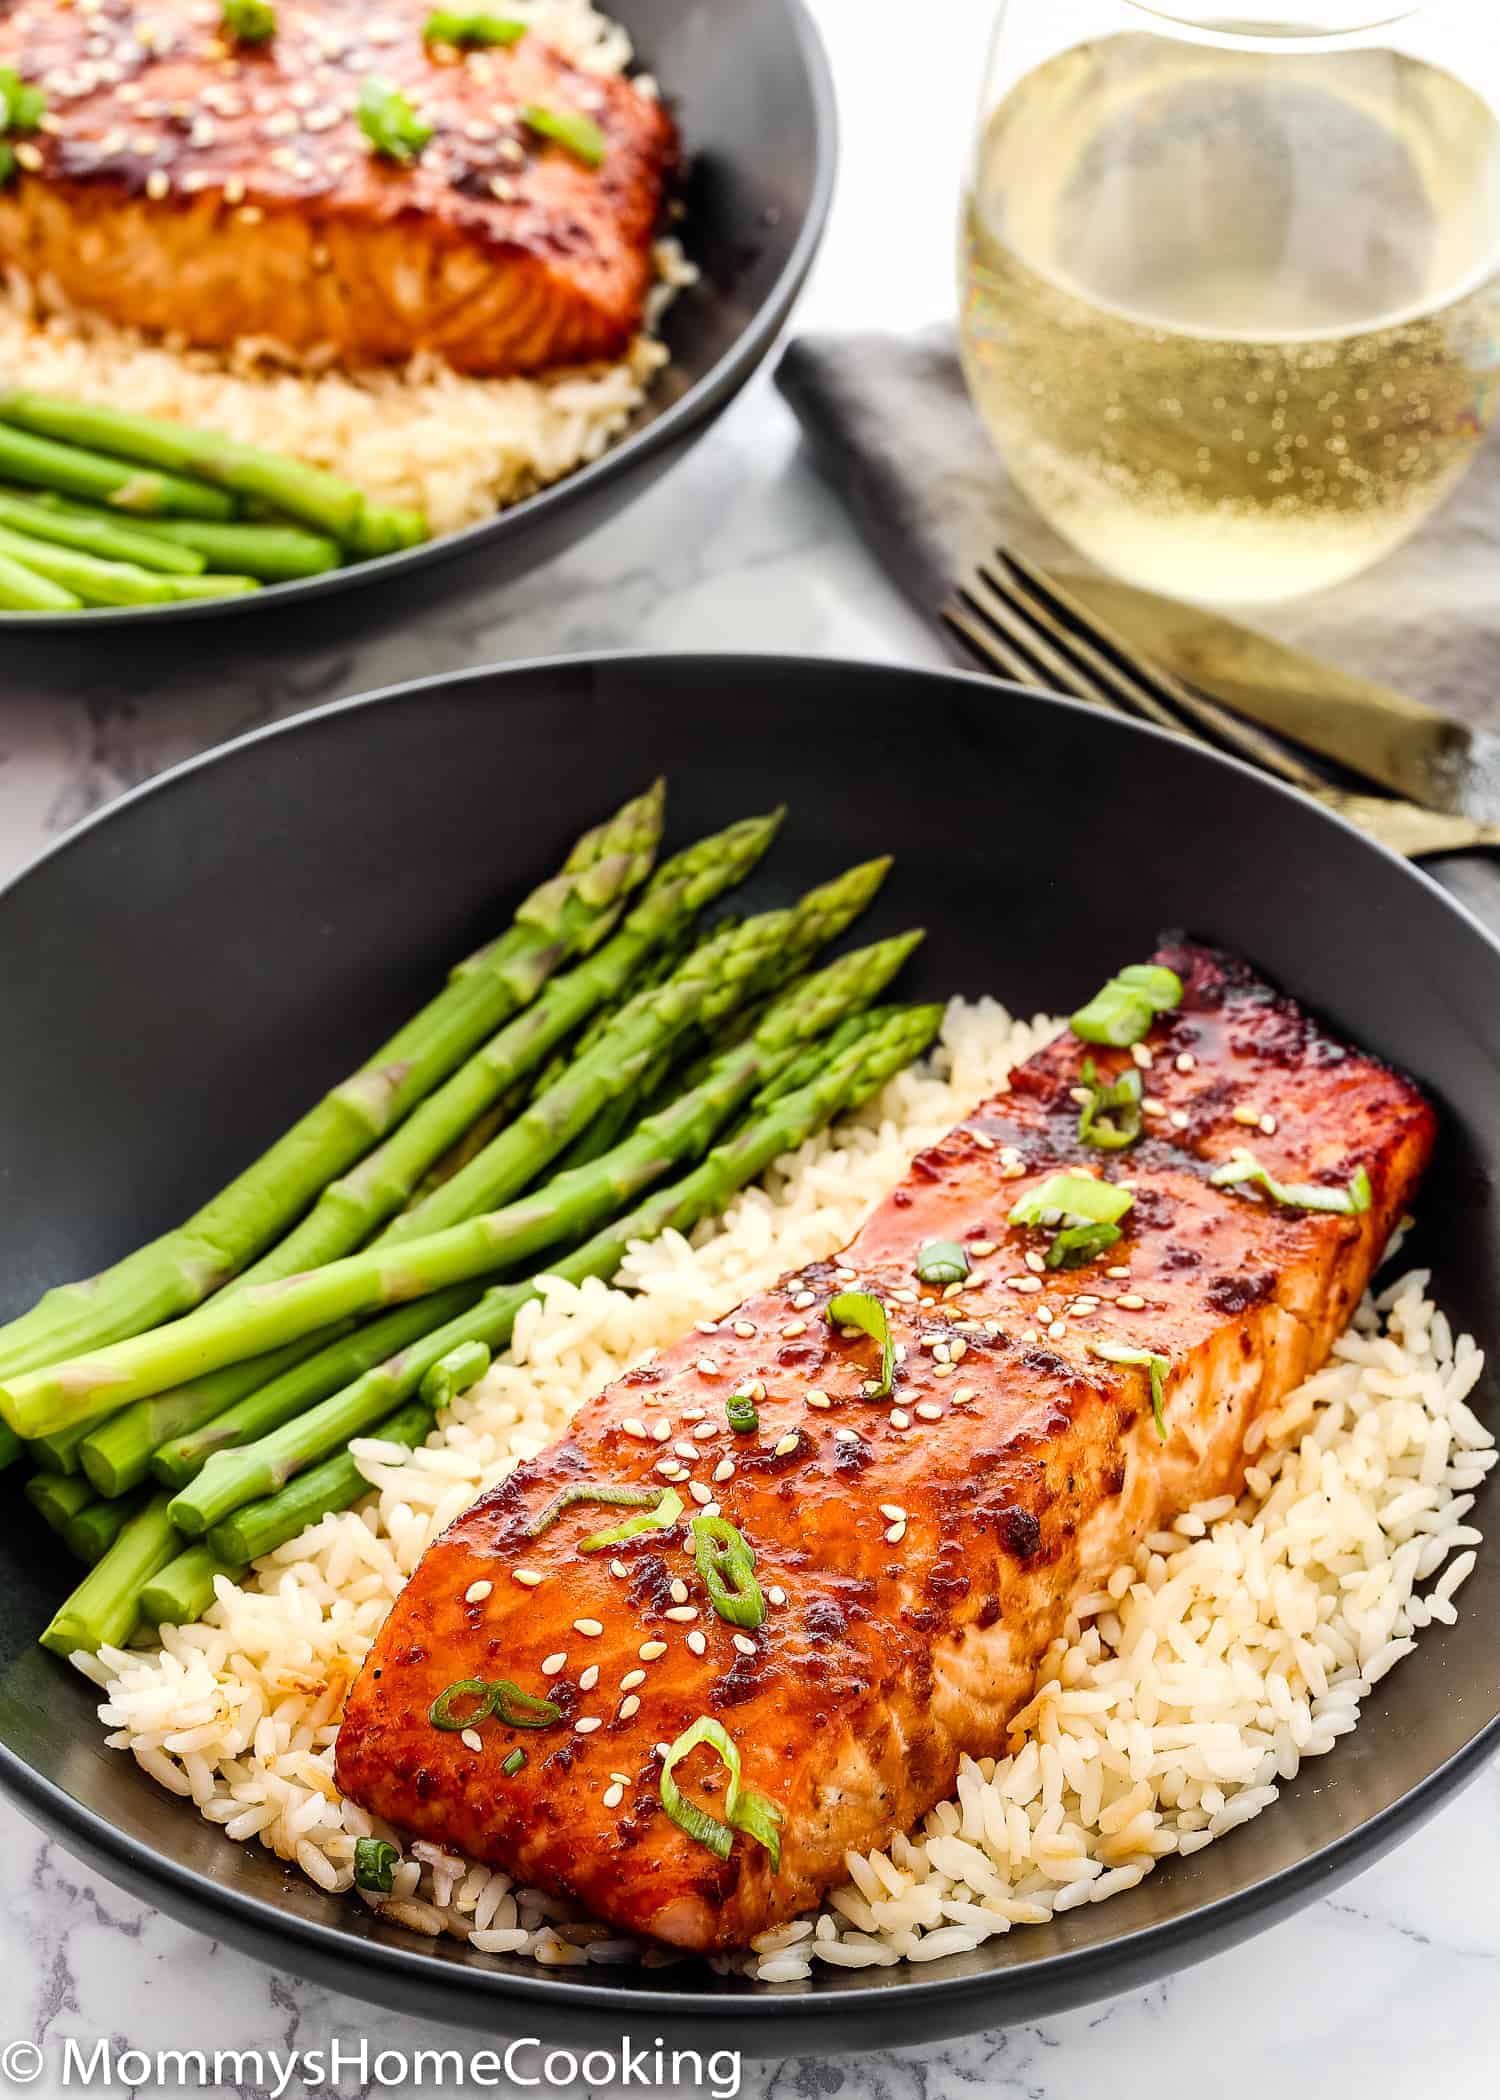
x: 352, y: 1207
x: 307, y: 493
x: 715, y: 979
x: 39, y: 463
x: 92, y: 581
x: 57, y: 1501
x: 103, y: 1609
x: 59, y: 1453
x: 101, y: 532
x: 23, y: 590
x: 173, y: 1273
x: 94, y: 1530
x: 211, y: 586
x: 567, y: 1207
x: 274, y: 553
x: 889, y: 1043
x: 330, y: 1369
x: 184, y: 1589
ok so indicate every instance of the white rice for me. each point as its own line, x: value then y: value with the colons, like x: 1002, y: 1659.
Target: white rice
x: 1179, y: 1698
x: 456, y: 447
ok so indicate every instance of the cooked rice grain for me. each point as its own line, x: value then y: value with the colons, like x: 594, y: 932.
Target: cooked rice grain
x: 1178, y: 1699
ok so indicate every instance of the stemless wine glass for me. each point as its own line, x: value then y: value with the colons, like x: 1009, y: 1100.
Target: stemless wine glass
x: 1231, y: 286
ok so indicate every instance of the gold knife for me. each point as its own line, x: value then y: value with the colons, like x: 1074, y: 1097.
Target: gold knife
x: 1403, y: 745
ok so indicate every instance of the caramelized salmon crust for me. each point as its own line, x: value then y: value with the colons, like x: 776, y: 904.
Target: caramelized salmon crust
x: 917, y: 1551
x: 214, y: 193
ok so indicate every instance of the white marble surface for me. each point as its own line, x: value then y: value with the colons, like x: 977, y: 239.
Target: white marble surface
x: 1388, y: 1987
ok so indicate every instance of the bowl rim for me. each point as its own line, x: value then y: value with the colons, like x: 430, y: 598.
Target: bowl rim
x: 361, y: 1965
x: 676, y: 423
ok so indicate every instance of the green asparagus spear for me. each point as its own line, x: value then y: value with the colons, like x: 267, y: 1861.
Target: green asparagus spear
x: 56, y: 1500
x: 567, y: 1207
x: 23, y: 590
x: 900, y: 1035
x: 211, y: 586
x: 714, y: 980
x: 565, y: 916
x: 306, y: 493
x: 59, y: 1453
x: 95, y: 1528
x: 39, y: 463
x: 184, y: 1589
x: 275, y: 553
x: 282, y: 1399
x: 103, y: 1609
x: 351, y: 1208
x: 92, y: 582
x: 103, y: 533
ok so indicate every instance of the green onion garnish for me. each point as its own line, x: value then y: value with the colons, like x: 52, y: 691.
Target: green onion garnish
x: 1111, y: 1117
x: 741, y: 1414
x: 1158, y: 1366
x: 1062, y: 1198
x: 454, y: 1373
x: 441, y: 1712
x: 1123, y: 1011
x: 567, y: 127
x: 860, y: 1309
x: 668, y: 1509
x: 248, y: 21
x: 389, y: 121
x: 467, y: 32
x: 584, y: 1491
x: 942, y: 1261
x: 513, y: 1764
x: 753, y: 1813
x: 1077, y: 1245
x: 517, y: 1709
x: 1245, y: 1170
x: 22, y: 106
x: 726, y: 1563
x: 375, y: 1862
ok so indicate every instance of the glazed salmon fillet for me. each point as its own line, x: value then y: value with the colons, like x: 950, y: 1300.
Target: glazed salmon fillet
x: 213, y: 192
x: 917, y: 1552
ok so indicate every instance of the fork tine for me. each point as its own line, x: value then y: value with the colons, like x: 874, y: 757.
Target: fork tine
x: 994, y: 654
x: 1103, y: 649
x: 1033, y: 615
x: 1051, y: 668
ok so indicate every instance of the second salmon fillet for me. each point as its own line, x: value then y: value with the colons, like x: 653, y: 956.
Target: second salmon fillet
x: 916, y: 1550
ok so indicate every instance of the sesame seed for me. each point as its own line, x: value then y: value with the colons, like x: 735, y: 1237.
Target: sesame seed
x: 528, y: 1576
x: 775, y: 1594
x: 1247, y: 1115
x: 704, y: 1430
x: 250, y: 215
x: 928, y: 1411
x: 1057, y: 1330
x: 940, y: 1352
x: 846, y: 1275
x: 892, y: 1511
x: 588, y: 1678
x: 786, y: 1446
x: 845, y: 1436
x: 895, y: 1533
x: 961, y: 1396
x: 234, y: 190
x: 590, y: 1628
x: 953, y: 1290
x: 1045, y: 1315
x: 706, y: 1367
x: 629, y: 1706
x: 804, y: 1300
x: 472, y: 1739
x: 614, y: 1795
x: 668, y: 1468
x: 1024, y: 1283
x: 706, y: 1326
x: 792, y: 1329
x: 745, y: 1329
x: 648, y: 1651
x: 694, y: 1414
x: 1268, y: 1125
x: 1185, y: 1061
x: 29, y: 157
x: 698, y: 1642
x: 899, y: 1419
x: 958, y: 1351
x: 1151, y: 1106
x: 662, y: 1749
x: 984, y: 1142
x: 1081, y: 1094
x: 815, y: 1398
x: 724, y: 1470
x: 745, y: 1645
x: 686, y: 1450
x: 661, y: 1430
x: 981, y: 1248
x: 699, y: 1492
x: 679, y: 1592
x: 1178, y: 1119
x: 941, y: 1371
x: 683, y: 1614
x: 618, y: 1569
x: 1143, y: 1056
x: 634, y: 1426
x: 756, y: 1389
x: 1084, y: 1305
x: 1130, y: 1301
x: 1036, y: 1263
x: 587, y: 1725
x: 477, y: 1592
x: 553, y: 1663
x: 1121, y: 1269
x: 631, y: 1679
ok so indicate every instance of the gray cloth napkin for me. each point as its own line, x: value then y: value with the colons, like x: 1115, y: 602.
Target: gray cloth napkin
x: 890, y: 424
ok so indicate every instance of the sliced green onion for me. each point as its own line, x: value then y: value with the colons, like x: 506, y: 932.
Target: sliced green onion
x: 942, y: 1261
x: 513, y: 1764
x: 1077, y: 1245
x: 742, y: 1415
x: 753, y: 1813
x: 441, y: 1713
x: 22, y: 106
x: 1245, y: 1170
x: 567, y: 127
x: 470, y: 31
x: 584, y: 1491
x: 860, y: 1309
x: 1158, y: 1366
x: 668, y: 1509
x: 248, y: 21
x: 375, y: 1863
x: 389, y: 121
x: 1111, y: 1117
x: 1063, y: 1198
x: 517, y: 1709
x: 1122, y: 1012
x: 726, y: 1564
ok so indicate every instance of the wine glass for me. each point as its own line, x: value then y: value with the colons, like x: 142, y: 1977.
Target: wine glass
x: 1231, y: 288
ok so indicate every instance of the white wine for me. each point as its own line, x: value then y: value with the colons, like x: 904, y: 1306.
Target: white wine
x: 1230, y: 316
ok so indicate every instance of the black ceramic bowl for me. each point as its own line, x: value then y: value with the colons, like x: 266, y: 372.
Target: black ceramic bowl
x: 748, y: 83
x: 184, y: 973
